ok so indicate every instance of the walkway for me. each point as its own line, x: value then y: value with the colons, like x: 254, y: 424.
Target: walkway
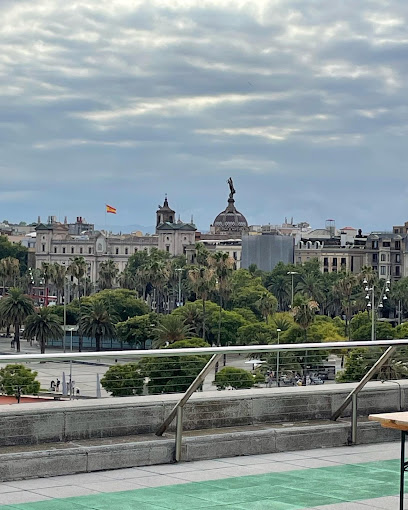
x: 348, y: 478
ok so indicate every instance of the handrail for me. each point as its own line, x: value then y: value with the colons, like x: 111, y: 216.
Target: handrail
x: 236, y: 349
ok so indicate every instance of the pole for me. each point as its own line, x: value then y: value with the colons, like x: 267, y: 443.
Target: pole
x: 373, y: 313
x: 179, y: 299
x: 70, y: 372
x: 277, y: 364
x: 179, y: 433
x: 65, y: 313
x: 354, y: 419
x: 292, y: 293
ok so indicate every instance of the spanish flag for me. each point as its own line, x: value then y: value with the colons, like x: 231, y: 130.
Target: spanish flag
x: 110, y: 209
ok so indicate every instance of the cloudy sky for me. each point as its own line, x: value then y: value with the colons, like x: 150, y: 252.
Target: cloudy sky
x: 302, y: 102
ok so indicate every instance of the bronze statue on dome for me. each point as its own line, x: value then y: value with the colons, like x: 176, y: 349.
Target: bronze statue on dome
x: 232, y: 189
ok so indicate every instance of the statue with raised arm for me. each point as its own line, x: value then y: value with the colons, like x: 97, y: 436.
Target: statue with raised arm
x: 232, y: 189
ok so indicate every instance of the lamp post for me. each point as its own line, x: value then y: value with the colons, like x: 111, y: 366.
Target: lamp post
x: 292, y: 273
x: 371, y: 301
x: 179, y: 270
x: 70, y: 368
x: 277, y: 361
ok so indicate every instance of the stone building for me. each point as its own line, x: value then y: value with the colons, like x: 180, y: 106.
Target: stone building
x: 60, y: 242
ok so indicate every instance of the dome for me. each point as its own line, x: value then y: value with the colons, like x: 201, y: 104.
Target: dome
x: 230, y: 220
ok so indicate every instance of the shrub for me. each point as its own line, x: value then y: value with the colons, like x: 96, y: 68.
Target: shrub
x: 236, y: 378
x: 123, y: 380
x: 18, y: 380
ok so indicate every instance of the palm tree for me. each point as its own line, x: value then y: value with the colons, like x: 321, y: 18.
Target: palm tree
x: 222, y: 264
x: 9, y: 271
x: 267, y: 305
x: 304, y: 311
x: 108, y: 272
x: 14, y: 309
x: 43, y: 326
x: 47, y: 273
x: 96, y: 322
x: 171, y: 329
x: 344, y: 289
x: 203, y: 282
x: 311, y: 285
x: 77, y: 269
x: 280, y: 288
x: 59, y: 274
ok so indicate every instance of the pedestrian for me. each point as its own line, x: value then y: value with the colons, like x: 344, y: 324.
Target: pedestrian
x: 52, y: 385
x: 77, y: 392
x: 57, y: 385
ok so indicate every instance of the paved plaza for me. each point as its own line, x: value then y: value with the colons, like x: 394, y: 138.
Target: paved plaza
x: 347, y: 478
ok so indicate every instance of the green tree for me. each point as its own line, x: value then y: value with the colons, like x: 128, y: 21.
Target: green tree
x: 138, y: 330
x: 235, y: 378
x: 108, y: 272
x: 77, y: 269
x: 257, y: 333
x: 267, y: 305
x: 9, y: 271
x: 14, y: 250
x: 172, y: 374
x: 123, y: 380
x: 14, y: 309
x: 43, y: 326
x: 280, y: 286
x: 223, y: 264
x: 121, y: 303
x: 96, y: 322
x: 59, y: 274
x: 228, y: 333
x: 384, y: 331
x: 18, y: 380
x: 203, y: 282
x: 171, y: 328
x: 304, y: 312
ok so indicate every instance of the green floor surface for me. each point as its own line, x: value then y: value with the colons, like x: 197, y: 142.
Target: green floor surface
x: 289, y: 490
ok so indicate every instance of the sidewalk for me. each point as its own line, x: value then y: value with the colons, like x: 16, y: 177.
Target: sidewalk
x: 348, y: 478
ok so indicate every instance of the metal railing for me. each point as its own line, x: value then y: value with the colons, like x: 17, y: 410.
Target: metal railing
x: 214, y: 356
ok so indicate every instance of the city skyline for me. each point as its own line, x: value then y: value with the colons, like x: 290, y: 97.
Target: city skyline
x: 303, y: 104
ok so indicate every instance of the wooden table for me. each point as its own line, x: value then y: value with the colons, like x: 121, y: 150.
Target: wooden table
x: 398, y: 421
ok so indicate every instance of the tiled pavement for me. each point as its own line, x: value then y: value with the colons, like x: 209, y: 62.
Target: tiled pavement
x: 348, y: 478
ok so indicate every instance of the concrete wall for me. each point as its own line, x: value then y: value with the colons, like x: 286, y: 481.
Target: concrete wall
x: 266, y: 250
x: 66, y: 421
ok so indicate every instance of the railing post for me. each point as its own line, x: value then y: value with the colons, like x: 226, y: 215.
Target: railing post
x: 354, y: 418
x: 373, y: 370
x: 179, y: 433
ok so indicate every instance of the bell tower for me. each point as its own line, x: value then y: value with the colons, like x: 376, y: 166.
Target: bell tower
x: 165, y: 214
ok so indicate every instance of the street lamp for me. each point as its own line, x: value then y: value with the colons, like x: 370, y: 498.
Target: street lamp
x: 179, y: 270
x: 371, y: 301
x: 277, y: 361
x: 292, y: 273
x: 70, y: 368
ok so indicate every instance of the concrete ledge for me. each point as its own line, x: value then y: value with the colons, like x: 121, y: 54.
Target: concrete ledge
x: 113, y: 417
x: 35, y: 464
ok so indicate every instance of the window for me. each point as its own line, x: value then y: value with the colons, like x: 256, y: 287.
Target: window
x: 136, y: 249
x: 326, y: 261
x: 397, y: 258
x: 81, y: 250
x: 89, y: 250
x: 117, y: 251
x: 167, y: 247
x: 382, y: 270
x: 63, y: 250
x: 375, y: 257
x: 325, y: 269
x: 99, y: 246
x: 43, y: 247
x: 234, y: 255
x: 396, y: 230
x: 335, y: 261
x: 126, y: 251
x: 343, y: 262
x: 386, y: 244
x: 72, y: 249
x: 55, y: 249
x: 382, y: 257
x: 167, y: 238
x: 397, y: 245
x: 375, y: 268
x: 375, y: 245
x: 397, y: 271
